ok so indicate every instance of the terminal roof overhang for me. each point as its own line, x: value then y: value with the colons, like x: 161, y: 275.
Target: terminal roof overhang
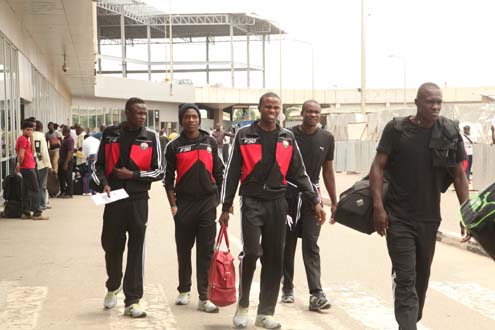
x: 185, y: 26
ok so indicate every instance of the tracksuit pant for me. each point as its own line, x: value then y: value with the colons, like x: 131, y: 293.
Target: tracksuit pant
x: 119, y: 217
x: 411, y: 246
x: 309, y: 230
x: 195, y: 222
x: 263, y: 236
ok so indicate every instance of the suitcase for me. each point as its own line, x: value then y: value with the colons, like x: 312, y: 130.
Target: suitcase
x: 12, y: 187
x: 52, y: 184
x: 12, y: 209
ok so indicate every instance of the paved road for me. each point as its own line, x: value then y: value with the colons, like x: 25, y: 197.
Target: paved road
x: 52, y: 278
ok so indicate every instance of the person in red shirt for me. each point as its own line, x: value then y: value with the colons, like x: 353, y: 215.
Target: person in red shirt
x: 26, y: 165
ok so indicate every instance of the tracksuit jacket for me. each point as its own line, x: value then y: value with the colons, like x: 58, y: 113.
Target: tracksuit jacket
x: 199, y: 174
x: 145, y: 161
x: 245, y: 164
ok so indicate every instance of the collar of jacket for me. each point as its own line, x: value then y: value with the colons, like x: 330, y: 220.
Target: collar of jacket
x: 117, y: 130
x: 203, y: 135
x: 255, y: 126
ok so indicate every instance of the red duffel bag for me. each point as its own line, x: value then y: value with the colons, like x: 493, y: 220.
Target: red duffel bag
x: 221, y: 279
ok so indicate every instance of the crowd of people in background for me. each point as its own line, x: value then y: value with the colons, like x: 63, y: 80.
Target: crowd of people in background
x: 53, y: 164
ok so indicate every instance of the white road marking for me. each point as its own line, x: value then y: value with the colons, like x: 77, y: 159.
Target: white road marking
x: 294, y: 316
x: 159, y: 314
x: 22, y: 307
x: 472, y: 295
x: 372, y: 312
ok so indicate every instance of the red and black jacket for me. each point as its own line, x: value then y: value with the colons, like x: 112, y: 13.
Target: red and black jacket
x: 245, y: 164
x: 198, y: 167
x: 144, y: 160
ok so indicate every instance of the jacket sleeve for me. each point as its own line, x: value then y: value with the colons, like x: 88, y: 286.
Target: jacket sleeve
x: 156, y: 171
x: 98, y: 176
x: 170, y: 167
x: 218, y: 166
x: 232, y: 176
x: 297, y: 174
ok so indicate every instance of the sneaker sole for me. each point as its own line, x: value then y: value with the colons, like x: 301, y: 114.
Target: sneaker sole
x: 137, y: 317
x: 261, y: 325
x: 213, y: 311
x: 316, y: 309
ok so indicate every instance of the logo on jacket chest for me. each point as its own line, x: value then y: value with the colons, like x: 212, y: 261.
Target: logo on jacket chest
x: 249, y: 140
x: 185, y: 149
x: 144, y: 146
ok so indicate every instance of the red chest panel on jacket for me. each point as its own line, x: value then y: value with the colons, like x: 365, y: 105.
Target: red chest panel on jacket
x: 141, y: 155
x: 112, y: 154
x: 251, y: 155
x: 283, y: 157
x: 186, y: 160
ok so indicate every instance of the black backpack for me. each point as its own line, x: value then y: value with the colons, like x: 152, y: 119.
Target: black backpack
x: 355, y: 206
x: 12, y: 187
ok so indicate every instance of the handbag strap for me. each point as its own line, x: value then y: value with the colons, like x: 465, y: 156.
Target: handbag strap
x: 222, y: 234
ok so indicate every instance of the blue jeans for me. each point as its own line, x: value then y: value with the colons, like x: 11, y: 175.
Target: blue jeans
x: 42, y: 179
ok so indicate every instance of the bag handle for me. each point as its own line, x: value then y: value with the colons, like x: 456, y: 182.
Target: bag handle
x: 222, y: 234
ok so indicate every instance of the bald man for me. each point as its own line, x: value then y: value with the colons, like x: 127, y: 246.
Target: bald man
x: 422, y: 155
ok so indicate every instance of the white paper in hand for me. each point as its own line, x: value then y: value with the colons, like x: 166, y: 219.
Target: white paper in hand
x: 115, y: 195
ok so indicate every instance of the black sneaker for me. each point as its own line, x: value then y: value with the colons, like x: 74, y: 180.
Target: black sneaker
x: 318, y: 301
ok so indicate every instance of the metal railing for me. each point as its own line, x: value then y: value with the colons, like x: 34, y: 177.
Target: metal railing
x: 356, y: 156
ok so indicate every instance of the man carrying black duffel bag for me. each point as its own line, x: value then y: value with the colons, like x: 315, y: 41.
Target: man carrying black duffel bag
x: 423, y: 155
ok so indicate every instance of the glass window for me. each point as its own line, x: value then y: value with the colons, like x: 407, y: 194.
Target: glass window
x: 3, y: 134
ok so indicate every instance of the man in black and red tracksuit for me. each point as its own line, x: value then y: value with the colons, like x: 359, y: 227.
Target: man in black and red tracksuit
x: 129, y: 157
x: 263, y: 158
x: 193, y: 198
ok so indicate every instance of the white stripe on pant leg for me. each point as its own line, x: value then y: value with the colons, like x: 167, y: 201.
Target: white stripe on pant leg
x: 156, y: 305
x: 22, y: 307
x: 471, y: 295
x: 371, y: 311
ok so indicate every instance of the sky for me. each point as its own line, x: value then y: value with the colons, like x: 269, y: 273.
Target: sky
x: 449, y: 42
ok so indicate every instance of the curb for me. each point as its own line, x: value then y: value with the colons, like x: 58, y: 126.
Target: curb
x: 452, y: 239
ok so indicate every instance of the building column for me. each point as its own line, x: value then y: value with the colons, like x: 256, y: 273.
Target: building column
x: 207, y: 60
x: 264, y: 60
x: 123, y: 45
x: 148, y: 36
x: 218, y: 116
x: 248, y: 63
x: 232, y: 55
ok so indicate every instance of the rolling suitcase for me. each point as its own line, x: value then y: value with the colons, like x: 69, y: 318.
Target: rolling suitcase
x: 52, y: 184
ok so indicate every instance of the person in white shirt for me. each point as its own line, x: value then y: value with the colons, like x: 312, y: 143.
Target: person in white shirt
x: 43, y: 163
x: 468, y: 146
x: 90, y: 147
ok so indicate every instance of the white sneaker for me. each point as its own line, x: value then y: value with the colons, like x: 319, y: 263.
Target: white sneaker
x: 267, y: 322
x: 135, y: 311
x: 110, y: 300
x: 183, y: 298
x: 241, y: 317
x: 207, y: 306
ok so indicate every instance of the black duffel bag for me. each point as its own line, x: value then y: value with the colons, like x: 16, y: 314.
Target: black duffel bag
x: 478, y: 217
x: 355, y: 206
x: 12, y: 187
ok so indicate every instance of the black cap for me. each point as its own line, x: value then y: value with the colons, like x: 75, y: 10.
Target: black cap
x: 186, y: 106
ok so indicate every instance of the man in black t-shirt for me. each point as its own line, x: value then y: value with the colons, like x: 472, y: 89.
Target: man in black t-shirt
x: 317, y: 148
x: 409, y: 150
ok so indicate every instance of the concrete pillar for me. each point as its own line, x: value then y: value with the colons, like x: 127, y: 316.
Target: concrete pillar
x: 218, y: 116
